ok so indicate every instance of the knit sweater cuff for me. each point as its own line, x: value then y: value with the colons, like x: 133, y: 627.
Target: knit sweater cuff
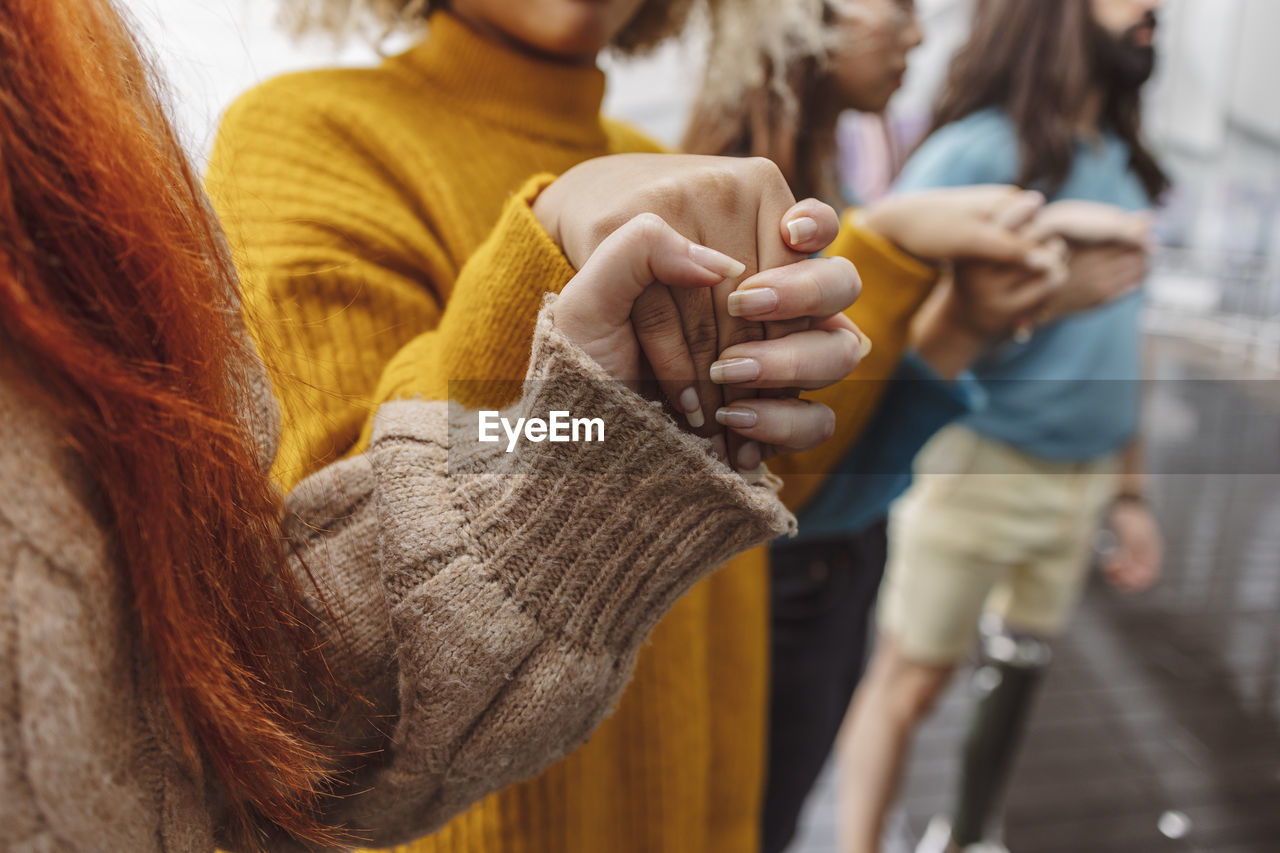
x: 594, y: 540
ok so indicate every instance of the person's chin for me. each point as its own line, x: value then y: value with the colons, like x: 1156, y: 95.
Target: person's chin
x: 586, y: 40
x: 890, y: 88
x: 874, y: 104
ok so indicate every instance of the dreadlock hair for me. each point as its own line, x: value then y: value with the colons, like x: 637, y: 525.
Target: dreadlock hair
x: 772, y: 103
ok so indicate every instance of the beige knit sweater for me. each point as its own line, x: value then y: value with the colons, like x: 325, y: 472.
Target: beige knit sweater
x: 490, y: 607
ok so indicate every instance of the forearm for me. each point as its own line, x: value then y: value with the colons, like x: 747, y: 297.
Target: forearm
x: 513, y: 589
x: 1133, y: 475
x: 943, y: 341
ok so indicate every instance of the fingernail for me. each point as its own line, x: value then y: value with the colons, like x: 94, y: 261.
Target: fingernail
x: 737, y: 417
x: 755, y: 300
x: 718, y: 262
x: 735, y: 370
x: 692, y: 408
x: 864, y: 345
x: 749, y: 457
x: 802, y: 228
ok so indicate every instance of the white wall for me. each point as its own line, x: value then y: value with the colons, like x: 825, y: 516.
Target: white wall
x: 1255, y: 100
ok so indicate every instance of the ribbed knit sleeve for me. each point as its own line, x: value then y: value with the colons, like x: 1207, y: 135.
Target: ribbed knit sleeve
x: 351, y: 286
x: 513, y: 589
x: 894, y: 286
x: 496, y: 298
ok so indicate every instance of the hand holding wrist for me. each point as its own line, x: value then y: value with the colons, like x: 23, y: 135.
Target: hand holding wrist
x: 944, y: 340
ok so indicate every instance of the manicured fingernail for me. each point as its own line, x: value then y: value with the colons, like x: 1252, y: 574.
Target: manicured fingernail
x: 802, y: 228
x: 718, y: 262
x: 735, y: 370
x: 692, y: 408
x: 755, y: 300
x: 864, y: 345
x: 736, y: 417
x: 749, y: 457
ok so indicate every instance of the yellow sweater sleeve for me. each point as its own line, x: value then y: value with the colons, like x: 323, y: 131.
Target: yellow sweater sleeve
x: 496, y: 299
x: 345, y: 282
x: 894, y: 286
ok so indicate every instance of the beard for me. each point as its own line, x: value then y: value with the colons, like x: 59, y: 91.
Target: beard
x: 1119, y: 62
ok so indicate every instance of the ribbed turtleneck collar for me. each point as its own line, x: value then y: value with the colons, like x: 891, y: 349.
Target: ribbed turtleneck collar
x: 537, y: 96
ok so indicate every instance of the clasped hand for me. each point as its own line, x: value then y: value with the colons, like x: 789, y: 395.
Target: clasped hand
x: 696, y: 272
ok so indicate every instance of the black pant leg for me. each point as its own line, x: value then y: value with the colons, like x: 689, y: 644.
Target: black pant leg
x: 822, y: 595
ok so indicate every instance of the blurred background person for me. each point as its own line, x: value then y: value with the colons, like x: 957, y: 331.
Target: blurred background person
x: 823, y: 584
x: 1005, y: 507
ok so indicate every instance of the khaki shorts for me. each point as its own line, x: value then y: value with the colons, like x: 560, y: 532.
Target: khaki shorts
x: 986, y: 527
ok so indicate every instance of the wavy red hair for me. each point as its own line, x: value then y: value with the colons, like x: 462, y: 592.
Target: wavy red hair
x: 119, y: 310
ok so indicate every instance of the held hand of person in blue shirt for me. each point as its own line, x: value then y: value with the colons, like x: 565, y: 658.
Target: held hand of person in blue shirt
x: 1110, y: 251
x: 1069, y: 393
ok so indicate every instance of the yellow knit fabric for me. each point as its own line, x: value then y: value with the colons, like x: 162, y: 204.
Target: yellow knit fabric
x: 381, y: 221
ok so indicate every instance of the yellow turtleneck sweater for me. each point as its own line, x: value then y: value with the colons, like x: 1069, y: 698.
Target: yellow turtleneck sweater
x: 381, y: 221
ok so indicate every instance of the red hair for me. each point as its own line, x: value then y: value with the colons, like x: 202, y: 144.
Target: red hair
x: 118, y: 308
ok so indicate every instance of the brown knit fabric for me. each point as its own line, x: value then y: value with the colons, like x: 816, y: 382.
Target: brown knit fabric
x: 489, y: 605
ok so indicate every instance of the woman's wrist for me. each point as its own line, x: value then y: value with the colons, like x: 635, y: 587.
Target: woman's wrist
x: 884, y: 219
x: 945, y: 342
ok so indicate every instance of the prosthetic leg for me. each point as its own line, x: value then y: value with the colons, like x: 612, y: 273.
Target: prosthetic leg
x: 1013, y: 665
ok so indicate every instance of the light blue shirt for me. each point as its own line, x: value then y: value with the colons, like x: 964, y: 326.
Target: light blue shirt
x: 1071, y: 392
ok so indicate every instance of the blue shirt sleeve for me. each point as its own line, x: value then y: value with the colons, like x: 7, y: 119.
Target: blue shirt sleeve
x: 877, y: 468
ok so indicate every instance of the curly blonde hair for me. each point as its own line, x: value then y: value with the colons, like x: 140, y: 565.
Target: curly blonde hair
x: 656, y: 21
x: 754, y: 43
x: 767, y: 65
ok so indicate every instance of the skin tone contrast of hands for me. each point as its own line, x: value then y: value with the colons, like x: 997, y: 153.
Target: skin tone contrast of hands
x: 774, y: 321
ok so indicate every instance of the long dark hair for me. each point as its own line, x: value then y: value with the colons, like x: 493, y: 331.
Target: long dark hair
x: 1034, y: 61
x: 118, y: 309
